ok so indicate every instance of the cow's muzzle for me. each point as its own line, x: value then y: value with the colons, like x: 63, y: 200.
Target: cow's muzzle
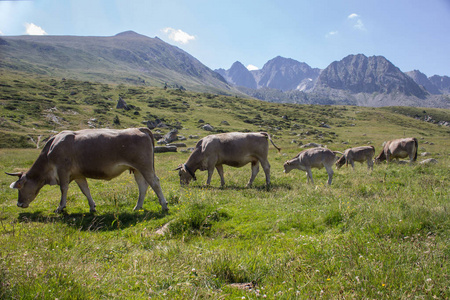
x: 22, y: 205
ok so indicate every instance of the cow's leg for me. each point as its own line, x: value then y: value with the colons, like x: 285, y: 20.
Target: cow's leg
x: 210, y: 174
x: 219, y: 169
x: 64, y: 187
x: 142, y: 186
x: 266, y: 167
x: 353, y: 164
x: 369, y: 164
x: 83, y: 185
x: 153, y: 180
x: 309, y: 175
x: 330, y: 173
x: 255, y: 170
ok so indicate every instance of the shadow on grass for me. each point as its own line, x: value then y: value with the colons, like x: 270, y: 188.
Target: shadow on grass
x: 92, y: 221
x: 235, y: 187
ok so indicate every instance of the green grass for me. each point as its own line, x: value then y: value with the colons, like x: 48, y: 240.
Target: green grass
x: 370, y: 235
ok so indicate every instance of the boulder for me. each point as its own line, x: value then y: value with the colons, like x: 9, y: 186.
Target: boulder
x: 309, y: 145
x: 169, y: 137
x: 208, y: 127
x: 429, y: 161
x: 122, y: 104
x: 163, y: 149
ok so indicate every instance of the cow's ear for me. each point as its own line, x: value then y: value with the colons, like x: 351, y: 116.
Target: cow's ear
x: 18, y: 184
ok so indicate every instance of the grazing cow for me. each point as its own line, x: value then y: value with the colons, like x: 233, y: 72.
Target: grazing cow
x: 360, y: 154
x: 234, y: 149
x: 91, y: 153
x: 399, y: 148
x: 313, y: 158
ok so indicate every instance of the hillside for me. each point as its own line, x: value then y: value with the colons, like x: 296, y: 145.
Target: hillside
x: 39, y: 105
x: 127, y: 57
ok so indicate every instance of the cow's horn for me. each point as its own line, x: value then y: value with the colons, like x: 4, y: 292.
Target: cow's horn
x: 179, y: 167
x: 19, y: 174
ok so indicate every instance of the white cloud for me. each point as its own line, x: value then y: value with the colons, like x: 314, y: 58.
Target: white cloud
x: 1, y: 33
x: 252, y: 68
x: 359, y: 25
x: 33, y: 29
x: 178, y: 35
x: 331, y: 33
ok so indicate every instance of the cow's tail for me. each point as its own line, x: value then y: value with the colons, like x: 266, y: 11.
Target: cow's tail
x: 416, y: 143
x: 270, y: 139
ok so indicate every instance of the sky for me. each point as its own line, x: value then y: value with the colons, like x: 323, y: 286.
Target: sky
x: 412, y: 34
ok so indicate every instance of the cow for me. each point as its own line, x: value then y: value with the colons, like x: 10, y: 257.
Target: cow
x: 91, y: 153
x: 234, y: 149
x: 313, y: 158
x: 360, y: 154
x: 399, y: 148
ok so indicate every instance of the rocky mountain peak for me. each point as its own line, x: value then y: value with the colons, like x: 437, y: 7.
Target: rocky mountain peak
x: 362, y: 74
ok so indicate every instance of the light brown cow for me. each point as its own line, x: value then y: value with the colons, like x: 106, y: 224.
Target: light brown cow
x: 360, y: 154
x: 234, y: 149
x: 313, y: 158
x: 91, y: 153
x: 399, y: 148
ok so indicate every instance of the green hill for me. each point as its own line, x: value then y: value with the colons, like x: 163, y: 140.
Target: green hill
x: 127, y: 57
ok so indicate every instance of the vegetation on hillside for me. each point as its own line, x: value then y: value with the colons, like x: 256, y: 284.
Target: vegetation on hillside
x: 379, y: 234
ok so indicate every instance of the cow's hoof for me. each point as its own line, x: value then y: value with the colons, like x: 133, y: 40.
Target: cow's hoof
x: 92, y: 210
x: 59, y: 210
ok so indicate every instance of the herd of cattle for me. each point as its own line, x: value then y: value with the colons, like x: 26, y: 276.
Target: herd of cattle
x: 106, y: 153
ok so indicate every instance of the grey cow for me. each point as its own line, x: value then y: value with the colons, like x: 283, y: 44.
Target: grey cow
x: 313, y: 158
x: 359, y: 154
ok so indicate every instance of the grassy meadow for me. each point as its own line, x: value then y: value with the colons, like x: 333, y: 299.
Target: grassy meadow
x: 370, y: 235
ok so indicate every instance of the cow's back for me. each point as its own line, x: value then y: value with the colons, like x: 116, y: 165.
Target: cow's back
x: 101, y: 153
x: 234, y: 146
x: 316, y: 157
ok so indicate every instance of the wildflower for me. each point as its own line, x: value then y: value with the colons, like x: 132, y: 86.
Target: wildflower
x: 328, y: 279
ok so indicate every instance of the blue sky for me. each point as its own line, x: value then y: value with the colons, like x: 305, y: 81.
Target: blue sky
x: 412, y: 34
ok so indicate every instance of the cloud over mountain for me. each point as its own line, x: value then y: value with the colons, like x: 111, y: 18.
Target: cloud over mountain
x: 178, y: 35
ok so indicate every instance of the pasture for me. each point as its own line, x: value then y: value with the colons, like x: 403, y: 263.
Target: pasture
x: 370, y: 235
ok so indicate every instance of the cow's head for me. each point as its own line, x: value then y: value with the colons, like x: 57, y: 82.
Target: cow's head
x: 340, y: 162
x: 28, y: 188
x: 289, y: 165
x: 186, y: 175
x: 380, y: 158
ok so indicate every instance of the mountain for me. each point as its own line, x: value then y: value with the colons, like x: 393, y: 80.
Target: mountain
x: 442, y: 83
x: 354, y: 80
x: 285, y: 74
x: 423, y: 80
x: 238, y: 75
x: 362, y: 74
x: 127, y: 57
x: 280, y: 73
x: 435, y: 84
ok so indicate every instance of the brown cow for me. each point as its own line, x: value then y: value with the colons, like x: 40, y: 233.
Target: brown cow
x: 91, y: 153
x: 313, y: 158
x: 360, y: 154
x: 234, y: 149
x: 399, y: 148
